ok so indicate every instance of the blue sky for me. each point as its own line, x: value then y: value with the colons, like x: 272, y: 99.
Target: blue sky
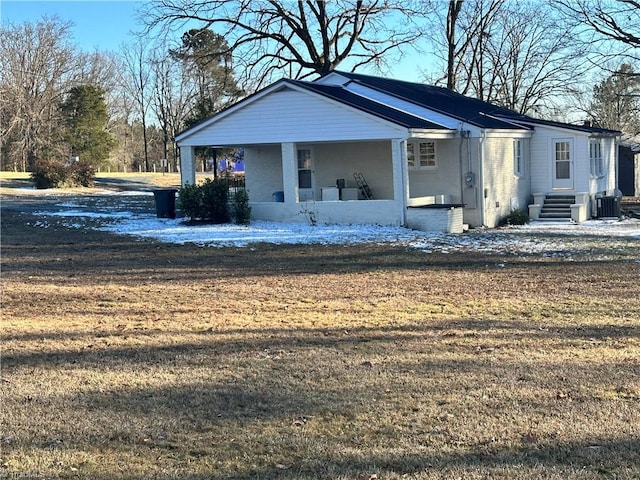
x: 101, y: 25
x: 107, y: 25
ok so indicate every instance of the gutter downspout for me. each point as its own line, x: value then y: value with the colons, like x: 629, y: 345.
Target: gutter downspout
x: 464, y: 135
x: 481, y: 177
x: 461, y: 132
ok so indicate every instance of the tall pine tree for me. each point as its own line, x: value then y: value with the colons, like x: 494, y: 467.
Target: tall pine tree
x: 85, y: 117
x: 207, y: 57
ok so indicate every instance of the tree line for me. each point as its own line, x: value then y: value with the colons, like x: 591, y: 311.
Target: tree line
x: 114, y: 110
x: 123, y: 109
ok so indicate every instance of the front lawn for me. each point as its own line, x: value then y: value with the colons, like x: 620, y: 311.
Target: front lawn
x: 125, y: 359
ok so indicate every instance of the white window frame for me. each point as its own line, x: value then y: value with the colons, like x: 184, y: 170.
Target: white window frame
x: 422, y: 161
x: 596, y: 160
x: 518, y: 158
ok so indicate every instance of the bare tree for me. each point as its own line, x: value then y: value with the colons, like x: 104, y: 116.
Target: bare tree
x: 136, y: 81
x: 609, y: 20
x: 38, y: 63
x: 452, y: 19
x: 515, y: 54
x: 616, y: 101
x: 272, y: 38
x: 174, y: 93
x: 467, y: 27
x: 533, y: 59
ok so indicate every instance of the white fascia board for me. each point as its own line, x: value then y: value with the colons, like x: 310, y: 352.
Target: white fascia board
x: 432, y: 134
x: 605, y: 135
x: 555, y: 128
x: 228, y: 111
x: 501, y: 133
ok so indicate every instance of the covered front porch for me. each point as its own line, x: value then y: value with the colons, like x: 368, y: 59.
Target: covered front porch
x: 352, y: 182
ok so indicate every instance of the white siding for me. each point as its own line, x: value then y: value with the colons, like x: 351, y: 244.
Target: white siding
x: 609, y: 151
x: 581, y: 162
x: 504, y: 190
x: 342, y: 160
x: 542, y: 161
x: 540, y: 165
x: 292, y: 116
x: 443, y: 180
x: 263, y: 172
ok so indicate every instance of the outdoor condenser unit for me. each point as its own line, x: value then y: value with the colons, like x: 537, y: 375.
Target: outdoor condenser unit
x: 608, y: 207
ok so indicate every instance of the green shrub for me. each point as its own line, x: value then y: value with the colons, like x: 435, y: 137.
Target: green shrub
x: 48, y: 174
x: 208, y: 202
x: 241, y: 208
x: 190, y: 201
x: 517, y: 217
x: 81, y: 174
x: 215, y: 200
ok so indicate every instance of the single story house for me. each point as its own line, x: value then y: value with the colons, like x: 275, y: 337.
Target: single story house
x: 351, y: 148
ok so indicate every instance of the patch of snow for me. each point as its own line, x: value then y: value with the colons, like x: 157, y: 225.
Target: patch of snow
x: 88, y: 214
x: 176, y: 231
x: 549, y: 240
x: 99, y: 191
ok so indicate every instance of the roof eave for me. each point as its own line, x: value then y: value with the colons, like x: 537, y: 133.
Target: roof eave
x: 443, y: 133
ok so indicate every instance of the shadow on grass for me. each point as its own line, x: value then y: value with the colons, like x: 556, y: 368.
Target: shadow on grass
x: 249, y: 384
x: 251, y: 339
x: 602, y: 458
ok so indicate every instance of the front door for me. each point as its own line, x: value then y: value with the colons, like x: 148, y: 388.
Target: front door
x: 562, y: 167
x: 305, y: 174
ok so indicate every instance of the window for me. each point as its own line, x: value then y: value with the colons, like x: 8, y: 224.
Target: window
x: 421, y: 155
x: 595, y: 158
x: 563, y: 160
x: 518, y: 160
x: 304, y: 168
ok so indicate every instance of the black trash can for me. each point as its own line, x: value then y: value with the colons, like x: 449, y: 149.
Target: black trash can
x: 165, y: 202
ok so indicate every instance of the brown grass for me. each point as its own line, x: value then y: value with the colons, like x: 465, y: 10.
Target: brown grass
x: 124, y: 359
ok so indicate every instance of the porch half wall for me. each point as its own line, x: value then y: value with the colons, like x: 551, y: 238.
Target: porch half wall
x: 351, y: 212
x: 273, y: 168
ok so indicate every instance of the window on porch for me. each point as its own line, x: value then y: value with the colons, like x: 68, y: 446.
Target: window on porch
x: 421, y: 155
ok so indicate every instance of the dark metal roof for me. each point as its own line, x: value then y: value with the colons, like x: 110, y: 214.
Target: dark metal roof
x: 569, y: 126
x: 469, y: 110
x: 454, y: 105
x: 369, y: 106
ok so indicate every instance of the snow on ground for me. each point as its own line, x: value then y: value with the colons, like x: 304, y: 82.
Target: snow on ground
x: 128, y: 216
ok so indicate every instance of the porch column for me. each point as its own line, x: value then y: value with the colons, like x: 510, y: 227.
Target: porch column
x: 187, y: 166
x: 400, y: 178
x: 289, y: 172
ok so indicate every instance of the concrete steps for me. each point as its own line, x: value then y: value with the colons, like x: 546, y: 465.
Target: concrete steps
x: 557, y: 208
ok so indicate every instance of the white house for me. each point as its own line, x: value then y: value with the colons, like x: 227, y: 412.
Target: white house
x: 353, y: 148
